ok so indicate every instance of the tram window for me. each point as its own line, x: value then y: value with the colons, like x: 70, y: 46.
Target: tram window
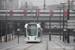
x: 25, y: 32
x: 32, y: 30
x: 39, y: 32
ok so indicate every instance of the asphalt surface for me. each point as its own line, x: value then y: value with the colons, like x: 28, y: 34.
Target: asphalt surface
x: 54, y: 44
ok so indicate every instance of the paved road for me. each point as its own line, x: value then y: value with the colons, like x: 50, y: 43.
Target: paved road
x: 54, y: 44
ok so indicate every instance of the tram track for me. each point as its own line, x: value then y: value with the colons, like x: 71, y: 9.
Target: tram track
x: 11, y: 48
x: 46, y: 45
x: 29, y: 46
x: 14, y: 46
x: 32, y: 46
x: 59, y: 45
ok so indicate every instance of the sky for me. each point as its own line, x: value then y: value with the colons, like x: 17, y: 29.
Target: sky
x: 40, y: 3
x: 48, y: 2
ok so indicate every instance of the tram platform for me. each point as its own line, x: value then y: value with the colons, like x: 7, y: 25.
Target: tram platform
x: 54, y: 44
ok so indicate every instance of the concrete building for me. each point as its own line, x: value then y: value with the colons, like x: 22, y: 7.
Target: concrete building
x: 0, y: 4
x: 9, y: 4
x: 73, y: 4
x: 55, y: 6
x: 16, y: 4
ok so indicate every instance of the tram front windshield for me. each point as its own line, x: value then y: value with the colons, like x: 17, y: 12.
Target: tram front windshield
x: 32, y: 30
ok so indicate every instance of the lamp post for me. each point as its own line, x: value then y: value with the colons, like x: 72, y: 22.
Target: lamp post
x: 1, y: 32
x: 32, y: 15
x: 60, y: 21
x: 63, y: 20
x: 44, y: 4
x: 37, y: 14
x: 1, y: 29
x: 50, y: 28
x: 67, y: 22
x: 18, y: 31
x: 6, y: 27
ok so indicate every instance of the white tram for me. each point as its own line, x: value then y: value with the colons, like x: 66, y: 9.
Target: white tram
x: 33, y: 32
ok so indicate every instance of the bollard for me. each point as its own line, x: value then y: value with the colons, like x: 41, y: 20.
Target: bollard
x: 9, y: 37
x: 50, y: 36
x: 2, y: 38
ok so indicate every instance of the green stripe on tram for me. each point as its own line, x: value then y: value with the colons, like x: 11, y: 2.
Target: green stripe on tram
x: 25, y: 37
x: 38, y: 37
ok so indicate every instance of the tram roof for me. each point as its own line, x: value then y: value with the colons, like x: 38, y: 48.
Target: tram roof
x: 38, y: 25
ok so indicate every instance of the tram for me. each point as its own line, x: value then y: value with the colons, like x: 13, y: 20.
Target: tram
x: 33, y: 32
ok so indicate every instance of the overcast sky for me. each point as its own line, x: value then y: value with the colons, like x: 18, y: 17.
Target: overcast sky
x: 41, y: 2
x: 48, y: 2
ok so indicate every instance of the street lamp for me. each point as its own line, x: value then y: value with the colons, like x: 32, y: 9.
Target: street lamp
x: 60, y: 21
x: 1, y: 32
x: 6, y: 27
x: 68, y: 9
x: 50, y: 28
x: 37, y: 14
x: 63, y: 20
x: 68, y: 19
x: 44, y: 4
